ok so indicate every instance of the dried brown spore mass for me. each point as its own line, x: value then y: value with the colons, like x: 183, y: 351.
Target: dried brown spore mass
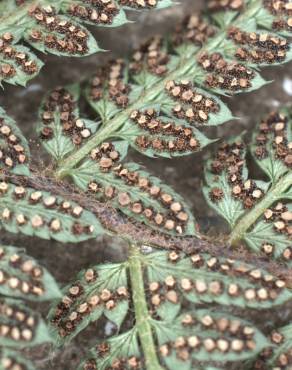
x: 95, y: 11
x: 274, y: 129
x: 41, y: 220
x: 281, y: 217
x: 191, y: 104
x: 173, y: 217
x: 121, y: 363
x: 225, y: 5
x: 152, y: 56
x: 111, y: 77
x: 11, y: 55
x: 32, y: 273
x: 58, y: 33
x: 234, y: 337
x: 216, y: 194
x: 61, y: 102
x: 282, y: 10
x: 194, y: 29
x: 12, y: 152
x: 258, y: 47
x: 230, y: 76
x: 139, y: 4
x: 20, y: 2
x: 263, y: 287
x: 230, y: 159
x: 18, y: 324
x: 164, y: 136
x: 81, y: 299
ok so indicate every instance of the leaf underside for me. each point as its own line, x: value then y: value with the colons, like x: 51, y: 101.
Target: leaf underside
x: 42, y: 214
x: 184, y: 339
x: 233, y: 194
x: 22, y: 278
x: 55, y: 27
x: 159, y: 100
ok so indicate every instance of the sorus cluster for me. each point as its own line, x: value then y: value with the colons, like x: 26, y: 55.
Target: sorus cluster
x: 259, y: 47
x: 152, y: 55
x: 194, y: 29
x: 42, y: 219
x: 174, y: 216
x: 12, y: 153
x: 230, y: 159
x: 81, y: 299
x: 130, y: 363
x: 11, y: 363
x: 19, y: 326
x: 62, y: 103
x: 95, y: 11
x: 282, y: 10
x: 274, y: 129
x: 226, y: 5
x: 284, y: 359
x: 230, y: 76
x: 140, y: 4
x: 111, y: 77
x: 171, y: 137
x: 192, y: 105
x: 11, y: 56
x: 281, y: 216
x: 233, y: 336
x: 20, y: 2
x: 257, y: 286
x: 57, y: 33
x: 31, y: 273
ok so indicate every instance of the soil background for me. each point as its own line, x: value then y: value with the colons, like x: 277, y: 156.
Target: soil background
x: 184, y: 174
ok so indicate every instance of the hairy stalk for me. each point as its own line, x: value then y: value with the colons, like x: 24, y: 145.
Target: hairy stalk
x: 141, y: 310
x: 251, y: 217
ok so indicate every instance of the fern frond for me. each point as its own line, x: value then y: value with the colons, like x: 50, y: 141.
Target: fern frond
x: 21, y: 277
x: 39, y: 213
x: 56, y: 27
x: 14, y: 150
x: 158, y: 286
x: 161, y: 98
x: 258, y: 212
x: 282, y: 354
x: 101, y: 290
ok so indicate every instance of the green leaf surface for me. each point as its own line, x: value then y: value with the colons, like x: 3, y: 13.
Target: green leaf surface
x: 23, y: 277
x: 101, y: 14
x: 258, y: 212
x: 157, y: 136
x: 14, y: 150
x: 17, y: 64
x: 282, y: 353
x: 49, y: 32
x: 270, y: 141
x: 14, y: 359
x: 120, y: 350
x: 60, y: 128
x: 133, y: 191
x: 202, y: 278
x: 42, y: 214
x: 207, y: 336
x: 224, y: 175
x: 101, y: 290
x: 21, y: 326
